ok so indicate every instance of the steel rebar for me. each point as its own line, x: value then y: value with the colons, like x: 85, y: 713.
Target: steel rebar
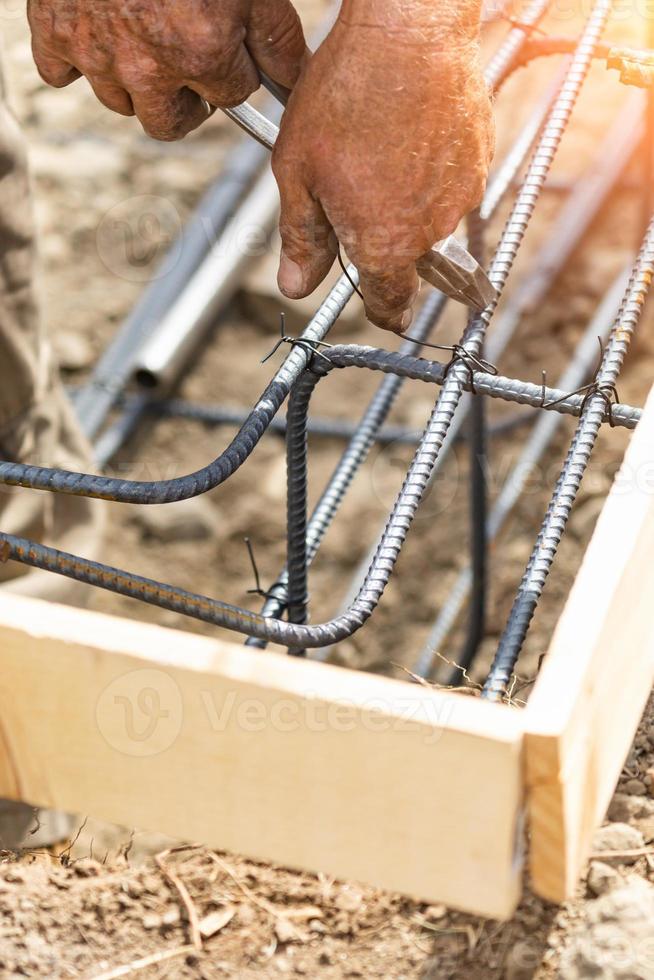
x: 539, y: 440
x: 569, y: 481
x: 587, y: 197
x: 386, y: 395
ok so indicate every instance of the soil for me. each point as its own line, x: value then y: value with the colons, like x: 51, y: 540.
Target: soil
x: 105, y: 904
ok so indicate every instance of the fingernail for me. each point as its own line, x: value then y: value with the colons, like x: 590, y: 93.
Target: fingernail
x: 290, y: 277
x: 406, y: 320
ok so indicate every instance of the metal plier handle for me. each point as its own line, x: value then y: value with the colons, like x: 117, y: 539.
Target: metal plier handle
x: 448, y: 266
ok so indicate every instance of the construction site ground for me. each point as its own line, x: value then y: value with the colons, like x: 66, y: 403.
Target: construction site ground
x: 105, y: 904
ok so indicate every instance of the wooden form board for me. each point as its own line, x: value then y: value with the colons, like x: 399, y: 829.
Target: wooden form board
x: 319, y: 768
x: 596, y: 679
x: 300, y: 763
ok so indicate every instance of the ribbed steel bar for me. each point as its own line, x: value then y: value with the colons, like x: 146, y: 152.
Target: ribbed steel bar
x: 270, y: 629
x: 369, y: 428
x: 211, y: 476
x: 329, y: 428
x: 576, y: 374
x: 478, y: 456
x: 569, y: 481
x: 292, y: 635
x: 296, y: 506
x: 584, y: 203
x: 501, y: 64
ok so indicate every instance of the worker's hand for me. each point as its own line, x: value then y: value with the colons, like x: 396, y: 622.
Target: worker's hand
x: 385, y: 145
x: 159, y: 59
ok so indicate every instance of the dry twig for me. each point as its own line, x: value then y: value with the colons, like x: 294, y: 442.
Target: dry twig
x: 142, y: 964
x: 178, y: 884
x: 249, y: 894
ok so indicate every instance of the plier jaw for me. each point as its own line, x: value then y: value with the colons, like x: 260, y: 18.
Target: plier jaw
x: 448, y: 266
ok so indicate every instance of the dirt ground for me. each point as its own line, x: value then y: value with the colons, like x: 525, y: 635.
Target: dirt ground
x: 105, y: 906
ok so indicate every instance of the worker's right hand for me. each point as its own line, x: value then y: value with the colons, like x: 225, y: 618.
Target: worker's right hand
x: 163, y: 60
x: 384, y: 147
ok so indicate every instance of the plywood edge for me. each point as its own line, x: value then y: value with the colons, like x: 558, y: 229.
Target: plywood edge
x: 46, y: 622
x: 304, y: 764
x: 595, y: 680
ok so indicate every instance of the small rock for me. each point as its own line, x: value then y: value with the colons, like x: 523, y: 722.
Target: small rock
x: 348, y: 900
x: 152, y: 884
x: 215, y: 921
x: 634, y: 787
x: 624, y: 808
x: 187, y: 520
x: 615, y: 940
x: 87, y: 868
x: 646, y: 827
x: 170, y: 917
x: 16, y: 876
x: 305, y: 912
x: 286, y: 932
x: 602, y: 878
x: 618, y: 837
x: 522, y: 961
x: 74, y: 352
x: 433, y: 913
x: 246, y: 915
x: 151, y: 921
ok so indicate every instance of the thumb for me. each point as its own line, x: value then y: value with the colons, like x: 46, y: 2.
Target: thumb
x: 275, y: 40
x: 308, y: 240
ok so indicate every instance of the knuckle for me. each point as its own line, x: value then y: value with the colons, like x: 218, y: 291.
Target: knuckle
x: 230, y: 90
x: 386, y: 294
x: 56, y: 78
x: 163, y: 130
x: 286, y: 35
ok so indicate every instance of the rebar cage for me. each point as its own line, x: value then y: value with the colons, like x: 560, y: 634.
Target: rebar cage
x: 463, y: 383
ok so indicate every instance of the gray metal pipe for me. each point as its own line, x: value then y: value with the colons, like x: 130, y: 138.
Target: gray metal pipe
x: 165, y: 354
x: 95, y: 400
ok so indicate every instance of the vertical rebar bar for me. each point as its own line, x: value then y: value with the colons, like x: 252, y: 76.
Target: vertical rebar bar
x: 569, y: 481
x: 477, y: 452
x: 544, y: 431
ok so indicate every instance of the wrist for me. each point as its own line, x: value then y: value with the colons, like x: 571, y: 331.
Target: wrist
x: 420, y: 21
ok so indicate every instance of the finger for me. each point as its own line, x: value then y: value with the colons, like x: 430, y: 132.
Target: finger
x: 389, y: 296
x: 235, y: 81
x: 276, y: 41
x: 54, y: 70
x: 308, y: 241
x: 113, y: 96
x: 167, y: 115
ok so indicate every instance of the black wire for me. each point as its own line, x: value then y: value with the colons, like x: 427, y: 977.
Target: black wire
x: 477, y: 436
x: 349, y: 278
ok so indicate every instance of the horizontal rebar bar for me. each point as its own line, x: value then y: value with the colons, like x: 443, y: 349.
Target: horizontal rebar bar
x: 211, y: 476
x: 453, y: 380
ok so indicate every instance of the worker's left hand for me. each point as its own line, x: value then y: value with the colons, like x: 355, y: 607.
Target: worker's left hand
x: 384, y: 147
x: 167, y: 61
